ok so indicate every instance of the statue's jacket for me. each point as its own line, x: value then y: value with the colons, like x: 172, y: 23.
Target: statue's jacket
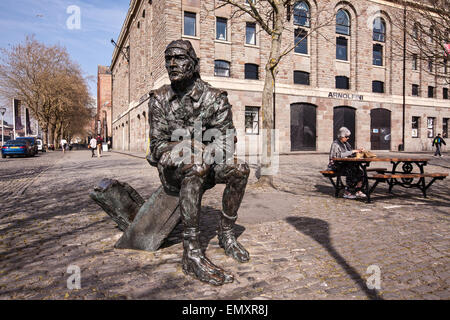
x: 203, y: 105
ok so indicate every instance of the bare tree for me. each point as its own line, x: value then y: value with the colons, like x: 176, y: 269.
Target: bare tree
x: 49, y: 83
x: 273, y: 17
x: 426, y: 24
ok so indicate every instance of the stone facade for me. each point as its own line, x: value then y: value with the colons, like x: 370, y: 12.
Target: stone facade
x: 103, y: 119
x: 151, y: 25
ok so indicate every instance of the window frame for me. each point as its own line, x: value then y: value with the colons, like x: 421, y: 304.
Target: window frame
x: 252, y: 110
x: 304, y: 75
x: 445, y: 93
x: 415, y: 127
x: 247, y: 26
x: 381, y: 58
x: 343, y: 39
x: 413, y: 87
x: 347, y: 82
x: 374, y: 82
x: 190, y: 15
x: 303, y: 43
x: 381, y: 35
x: 431, y: 126
x: 348, y: 26
x: 431, y: 90
x: 216, y: 68
x: 415, y: 65
x: 298, y: 14
x: 249, y: 72
x: 224, y: 20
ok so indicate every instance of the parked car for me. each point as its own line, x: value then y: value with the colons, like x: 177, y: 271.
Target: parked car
x: 17, y: 147
x: 33, y: 142
x: 41, y: 146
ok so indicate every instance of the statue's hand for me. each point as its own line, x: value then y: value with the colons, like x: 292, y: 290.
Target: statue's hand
x: 166, y: 159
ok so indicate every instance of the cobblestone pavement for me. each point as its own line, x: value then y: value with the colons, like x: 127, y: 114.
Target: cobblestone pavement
x: 304, y: 243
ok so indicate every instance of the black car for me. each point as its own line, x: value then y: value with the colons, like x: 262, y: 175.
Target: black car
x: 33, y: 142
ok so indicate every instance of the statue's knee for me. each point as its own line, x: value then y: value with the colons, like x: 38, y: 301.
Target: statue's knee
x: 242, y: 170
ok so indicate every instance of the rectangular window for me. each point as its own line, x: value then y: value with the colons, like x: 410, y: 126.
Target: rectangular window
x: 415, y: 124
x: 445, y: 128
x: 415, y: 90
x: 251, y: 120
x: 414, y: 62
x: 378, y: 86
x: 377, y: 55
x: 430, y: 92
x: 341, y: 48
x: 342, y: 82
x: 221, y: 29
x: 250, y: 33
x: 445, y: 65
x: 189, y: 24
x: 430, y: 65
x: 221, y: 68
x: 430, y: 127
x: 301, y: 41
x: 301, y: 77
x: 445, y: 93
x: 251, y: 71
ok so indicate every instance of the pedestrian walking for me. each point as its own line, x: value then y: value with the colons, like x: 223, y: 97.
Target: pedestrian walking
x: 63, y: 144
x: 99, y: 146
x: 438, y: 141
x: 93, y: 146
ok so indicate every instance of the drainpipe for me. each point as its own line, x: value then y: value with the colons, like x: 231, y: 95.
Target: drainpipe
x: 404, y: 80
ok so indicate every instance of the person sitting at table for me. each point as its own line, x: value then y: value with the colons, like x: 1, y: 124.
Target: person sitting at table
x: 340, y: 148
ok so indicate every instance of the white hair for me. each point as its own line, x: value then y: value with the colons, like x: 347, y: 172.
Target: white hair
x: 343, y: 132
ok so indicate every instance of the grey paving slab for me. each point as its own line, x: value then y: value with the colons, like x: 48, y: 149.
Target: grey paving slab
x: 304, y: 243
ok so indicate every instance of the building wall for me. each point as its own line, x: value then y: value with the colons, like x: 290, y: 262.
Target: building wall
x: 148, y: 36
x: 104, y: 92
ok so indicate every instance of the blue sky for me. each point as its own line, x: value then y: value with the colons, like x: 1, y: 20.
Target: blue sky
x: 90, y: 45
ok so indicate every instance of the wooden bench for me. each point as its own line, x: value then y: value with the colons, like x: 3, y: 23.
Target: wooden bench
x: 328, y: 173
x: 339, y: 185
x: 406, y: 180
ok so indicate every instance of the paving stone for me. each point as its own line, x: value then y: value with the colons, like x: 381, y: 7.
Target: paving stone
x: 298, y: 242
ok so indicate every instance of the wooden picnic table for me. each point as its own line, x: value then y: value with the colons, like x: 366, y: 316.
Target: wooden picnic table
x: 403, y: 177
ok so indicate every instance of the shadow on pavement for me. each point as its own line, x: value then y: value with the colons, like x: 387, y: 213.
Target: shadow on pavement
x: 319, y: 231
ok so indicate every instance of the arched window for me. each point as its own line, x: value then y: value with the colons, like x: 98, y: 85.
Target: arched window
x: 343, y: 22
x: 379, y: 30
x: 221, y: 68
x: 301, y: 14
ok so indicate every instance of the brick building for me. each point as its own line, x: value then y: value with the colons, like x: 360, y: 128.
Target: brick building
x: 351, y: 74
x: 103, y: 123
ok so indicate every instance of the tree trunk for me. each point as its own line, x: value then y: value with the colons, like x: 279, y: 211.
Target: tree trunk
x: 266, y: 178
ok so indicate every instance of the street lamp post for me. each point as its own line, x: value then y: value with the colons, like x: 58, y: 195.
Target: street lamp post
x: 2, y: 111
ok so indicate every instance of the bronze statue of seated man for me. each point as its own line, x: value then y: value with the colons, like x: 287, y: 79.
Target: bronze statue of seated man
x: 190, y: 108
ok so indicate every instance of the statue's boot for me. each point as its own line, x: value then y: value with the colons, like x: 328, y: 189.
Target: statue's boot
x: 196, y: 264
x: 227, y: 239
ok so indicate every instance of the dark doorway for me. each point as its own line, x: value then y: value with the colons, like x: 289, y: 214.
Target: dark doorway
x: 303, y: 127
x: 344, y: 117
x: 380, y: 129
